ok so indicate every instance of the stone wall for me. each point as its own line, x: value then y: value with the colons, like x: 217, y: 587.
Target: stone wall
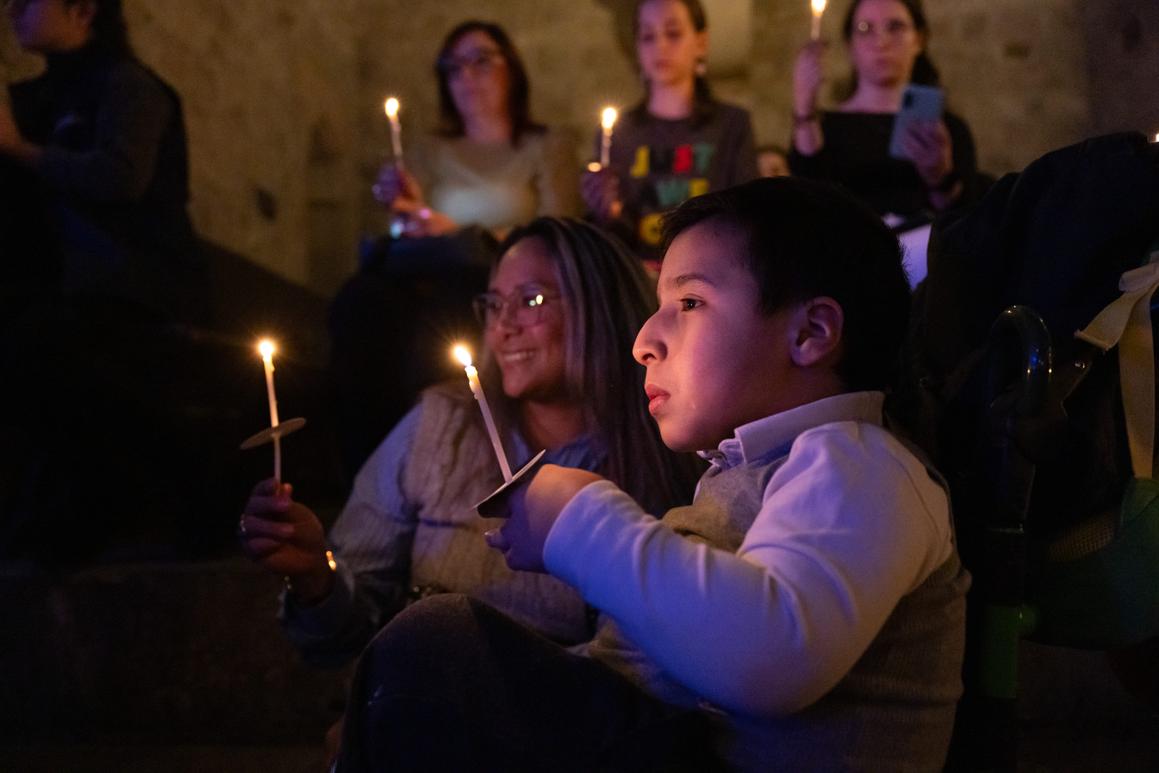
x: 284, y: 100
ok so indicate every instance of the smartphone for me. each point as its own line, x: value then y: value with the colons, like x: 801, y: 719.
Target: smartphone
x: 918, y: 103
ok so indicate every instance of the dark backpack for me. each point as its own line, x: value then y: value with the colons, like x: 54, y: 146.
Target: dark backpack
x: 1025, y: 420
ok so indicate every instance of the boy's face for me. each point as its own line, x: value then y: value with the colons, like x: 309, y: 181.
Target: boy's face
x: 714, y: 360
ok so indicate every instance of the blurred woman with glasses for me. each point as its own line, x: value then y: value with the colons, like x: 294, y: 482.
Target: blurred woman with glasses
x: 561, y: 312
x: 887, y: 42
x: 489, y: 164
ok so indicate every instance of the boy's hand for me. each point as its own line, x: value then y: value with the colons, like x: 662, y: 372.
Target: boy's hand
x: 534, y: 509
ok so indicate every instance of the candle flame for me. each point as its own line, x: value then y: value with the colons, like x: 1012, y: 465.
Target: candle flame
x: 391, y: 107
x: 266, y: 348
x: 462, y: 354
x: 1156, y: 137
x: 608, y: 117
x: 819, y: 7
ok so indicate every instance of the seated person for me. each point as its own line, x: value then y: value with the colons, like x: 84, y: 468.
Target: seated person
x: 887, y: 42
x: 488, y: 168
x: 561, y: 288
x: 808, y: 605
x: 489, y: 165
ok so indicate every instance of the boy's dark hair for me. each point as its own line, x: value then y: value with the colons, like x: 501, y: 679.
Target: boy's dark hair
x: 808, y: 239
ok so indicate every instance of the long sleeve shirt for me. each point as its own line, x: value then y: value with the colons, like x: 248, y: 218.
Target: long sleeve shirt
x: 845, y: 524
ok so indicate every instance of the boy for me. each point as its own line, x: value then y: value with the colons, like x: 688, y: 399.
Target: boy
x: 810, y: 599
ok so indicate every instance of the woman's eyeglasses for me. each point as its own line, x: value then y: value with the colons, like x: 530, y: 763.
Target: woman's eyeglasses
x: 526, y: 303
x: 481, y: 61
x: 892, y: 29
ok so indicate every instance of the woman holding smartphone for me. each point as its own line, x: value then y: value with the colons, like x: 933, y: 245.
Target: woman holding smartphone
x: 887, y: 42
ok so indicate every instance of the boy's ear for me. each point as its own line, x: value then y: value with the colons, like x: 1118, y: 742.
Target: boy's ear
x: 818, y: 326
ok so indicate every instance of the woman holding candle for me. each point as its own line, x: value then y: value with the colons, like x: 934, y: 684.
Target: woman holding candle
x: 489, y: 164
x: 679, y: 141
x: 887, y: 41
x: 560, y: 315
x: 488, y: 168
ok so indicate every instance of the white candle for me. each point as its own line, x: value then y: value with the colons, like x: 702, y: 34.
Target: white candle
x: 391, y: 108
x: 464, y: 356
x: 266, y: 349
x: 607, y: 121
x: 818, y: 11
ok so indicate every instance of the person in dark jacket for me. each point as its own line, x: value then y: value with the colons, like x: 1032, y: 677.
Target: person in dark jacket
x: 102, y: 275
x: 849, y: 145
x: 99, y: 141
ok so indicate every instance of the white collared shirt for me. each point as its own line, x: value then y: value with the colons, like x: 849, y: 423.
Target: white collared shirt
x: 850, y: 523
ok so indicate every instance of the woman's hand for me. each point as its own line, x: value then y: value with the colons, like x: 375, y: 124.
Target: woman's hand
x: 600, y: 188
x: 395, y: 186
x: 927, y: 144
x: 808, y: 75
x: 287, y: 539
x: 424, y: 221
x: 399, y: 192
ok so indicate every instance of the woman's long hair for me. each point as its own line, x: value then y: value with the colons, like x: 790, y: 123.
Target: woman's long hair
x: 703, y: 103
x: 924, y: 72
x: 608, y: 297
x: 519, y: 92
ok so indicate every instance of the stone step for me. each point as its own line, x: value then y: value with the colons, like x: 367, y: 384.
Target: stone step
x: 155, y: 654
x: 166, y: 759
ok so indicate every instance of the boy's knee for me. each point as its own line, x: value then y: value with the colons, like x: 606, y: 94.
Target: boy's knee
x: 427, y: 632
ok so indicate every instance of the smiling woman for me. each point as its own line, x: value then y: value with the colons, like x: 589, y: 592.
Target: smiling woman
x: 560, y: 315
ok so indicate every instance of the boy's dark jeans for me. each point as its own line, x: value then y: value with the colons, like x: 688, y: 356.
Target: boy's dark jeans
x: 453, y: 684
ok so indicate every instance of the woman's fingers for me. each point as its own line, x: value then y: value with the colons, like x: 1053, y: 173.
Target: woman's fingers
x: 253, y: 526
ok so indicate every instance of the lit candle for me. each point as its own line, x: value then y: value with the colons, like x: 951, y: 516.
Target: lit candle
x: 818, y: 11
x: 1156, y: 137
x: 464, y: 356
x: 391, y: 107
x: 266, y: 349
x: 607, y: 121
